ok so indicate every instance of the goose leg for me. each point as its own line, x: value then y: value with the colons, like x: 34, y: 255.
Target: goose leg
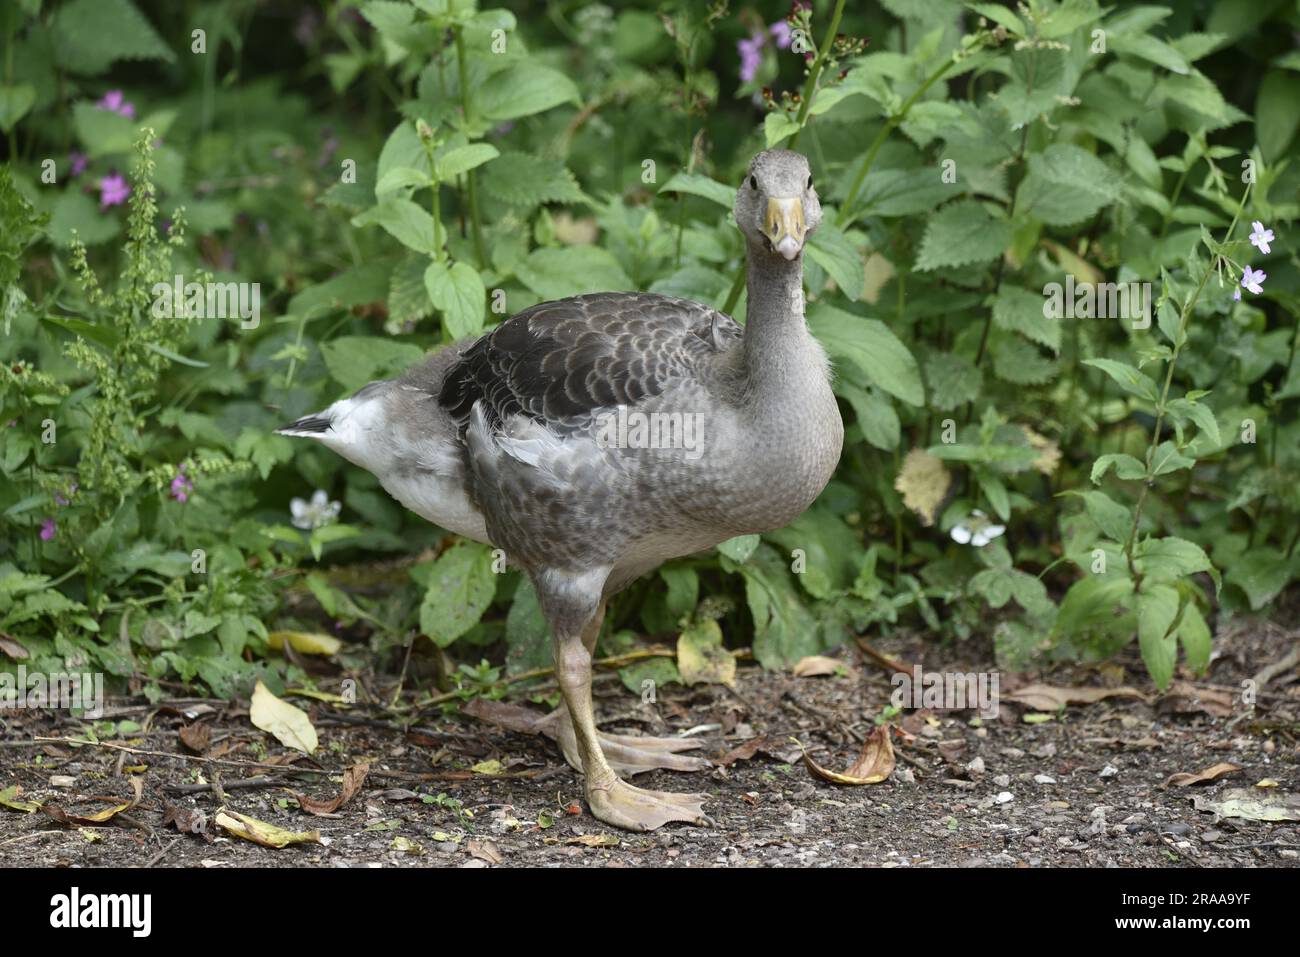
x: 611, y: 799
x: 627, y: 754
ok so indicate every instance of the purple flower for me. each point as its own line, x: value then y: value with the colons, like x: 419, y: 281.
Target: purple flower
x: 181, y: 485
x: 115, y: 102
x: 1236, y: 295
x: 751, y: 56
x: 78, y: 162
x: 1261, y: 237
x: 781, y: 31
x: 60, y: 500
x: 48, y: 528
x: 113, y: 191
x: 1252, y: 279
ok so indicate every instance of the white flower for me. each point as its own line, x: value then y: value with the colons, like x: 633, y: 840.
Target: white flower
x: 320, y: 511
x: 1261, y: 237
x: 976, y: 529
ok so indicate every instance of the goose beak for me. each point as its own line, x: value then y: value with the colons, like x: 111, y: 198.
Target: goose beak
x: 784, y: 226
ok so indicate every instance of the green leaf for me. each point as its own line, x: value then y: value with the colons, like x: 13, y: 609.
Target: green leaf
x: 954, y: 380
x: 355, y: 360
x: 459, y: 294
x: 461, y: 587
x: 521, y: 179
x: 1115, y: 520
x: 831, y: 249
x: 1157, y: 607
x: 1019, y: 362
x: 1022, y: 311
x: 1126, y: 467
x: 739, y: 549
x: 522, y: 89
x: 872, y: 347
x: 1276, y: 116
x: 1094, y: 604
x: 1261, y: 573
x: 903, y: 192
x: 402, y: 177
x: 1066, y: 184
x: 409, y: 224
x: 92, y: 35
x: 1194, y: 634
x: 777, y: 126
x: 571, y: 271
x: 402, y: 150
x: 999, y: 14
x: 74, y: 211
x: 1169, y: 559
x: 1148, y: 48
x: 698, y: 185
x: 960, y: 234
x: 462, y: 159
x: 528, y: 638
x: 15, y: 100
x: 1131, y: 380
x: 784, y: 629
x: 875, y: 414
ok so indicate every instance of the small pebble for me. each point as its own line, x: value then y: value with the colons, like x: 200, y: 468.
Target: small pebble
x: 1109, y: 771
x: 1004, y: 796
x: 1043, y: 779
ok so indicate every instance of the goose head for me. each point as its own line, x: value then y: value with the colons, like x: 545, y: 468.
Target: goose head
x: 776, y: 206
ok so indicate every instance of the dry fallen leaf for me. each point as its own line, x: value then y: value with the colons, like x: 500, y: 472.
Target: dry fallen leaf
x: 817, y: 665
x: 1042, y: 697
x: 1251, y: 805
x: 1214, y: 772
x: 196, y: 736
x: 260, y: 832
x: 585, y: 840
x: 407, y: 846
x: 186, y: 821
x: 99, y: 817
x: 484, y: 851
x: 289, y: 724
x: 874, y: 764
x: 1184, y: 698
x: 308, y: 643
x: 353, y: 779
x: 12, y: 647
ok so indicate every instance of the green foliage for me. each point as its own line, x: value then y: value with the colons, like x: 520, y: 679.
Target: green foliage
x: 1021, y: 463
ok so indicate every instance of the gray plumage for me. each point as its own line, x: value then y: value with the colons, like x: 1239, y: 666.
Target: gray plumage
x: 515, y: 438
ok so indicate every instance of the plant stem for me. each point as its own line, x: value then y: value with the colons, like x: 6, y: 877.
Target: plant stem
x: 843, y: 218
x: 1149, y: 479
x: 810, y: 86
x: 471, y: 188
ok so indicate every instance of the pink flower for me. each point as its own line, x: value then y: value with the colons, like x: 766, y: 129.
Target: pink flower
x: 1252, y: 279
x: 60, y: 500
x: 115, y: 102
x: 78, y: 163
x: 781, y: 32
x: 113, y: 191
x: 48, y: 528
x: 181, y: 485
x: 751, y: 56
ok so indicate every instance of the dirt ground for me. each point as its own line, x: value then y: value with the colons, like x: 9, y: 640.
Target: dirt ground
x: 1083, y: 786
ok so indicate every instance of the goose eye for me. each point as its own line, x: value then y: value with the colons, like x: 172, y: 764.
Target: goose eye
x: 753, y: 182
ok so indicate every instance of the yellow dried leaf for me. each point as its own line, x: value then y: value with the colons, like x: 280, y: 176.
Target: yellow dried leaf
x: 701, y: 657
x: 309, y: 643
x: 289, y: 724
x: 923, y: 482
x: 260, y: 832
x: 1049, y: 453
x: 874, y: 764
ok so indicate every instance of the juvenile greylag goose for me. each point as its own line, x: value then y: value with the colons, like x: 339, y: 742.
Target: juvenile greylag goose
x: 514, y: 439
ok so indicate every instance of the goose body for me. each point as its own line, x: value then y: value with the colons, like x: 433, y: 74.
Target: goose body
x: 595, y: 437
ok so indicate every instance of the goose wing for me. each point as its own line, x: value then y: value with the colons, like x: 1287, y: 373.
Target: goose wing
x: 560, y: 362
